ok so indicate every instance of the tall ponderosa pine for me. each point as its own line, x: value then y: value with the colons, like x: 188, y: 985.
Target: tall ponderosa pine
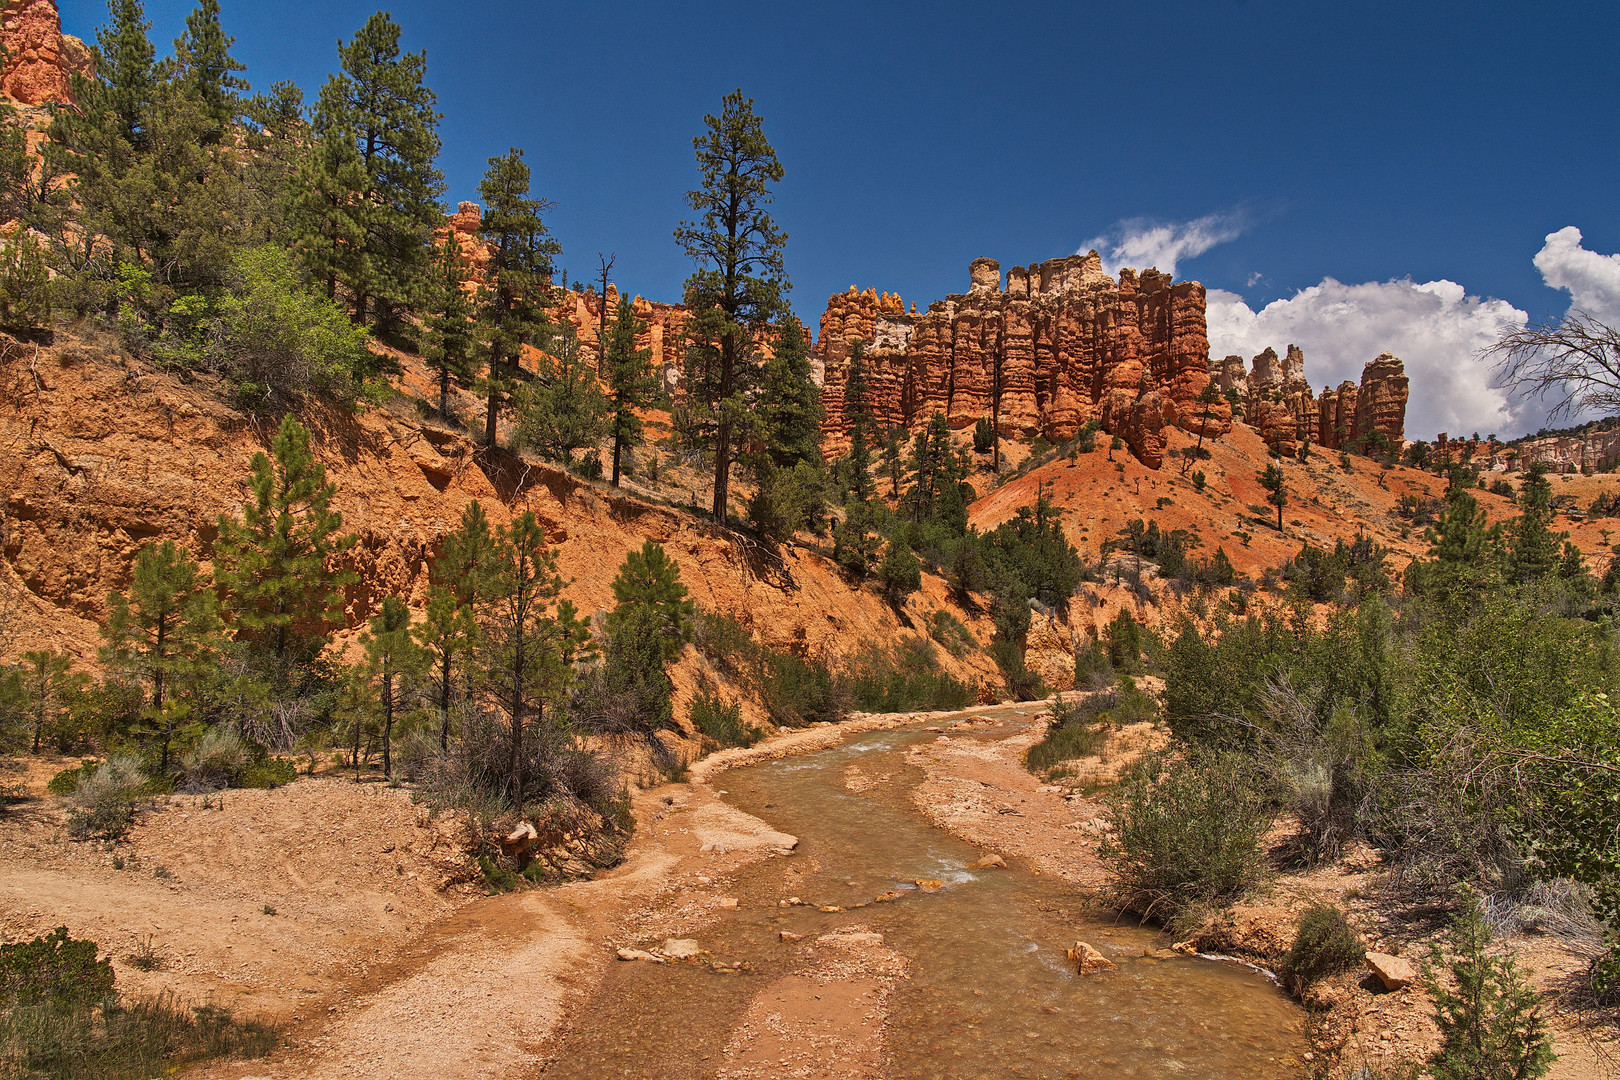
x: 857, y: 464
x: 739, y: 285
x: 513, y: 311
x: 1531, y: 547
x: 631, y: 381
x: 281, y: 592
x: 530, y: 639
x: 47, y: 678
x: 1276, y: 485
x: 647, y: 629
x: 203, y: 61
x: 393, y: 663
x: 450, y: 339
x: 157, y: 185
x: 164, y: 630
x: 370, y: 194
x: 789, y: 402
x: 460, y: 578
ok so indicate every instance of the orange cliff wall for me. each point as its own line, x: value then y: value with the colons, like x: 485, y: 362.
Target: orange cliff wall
x: 39, y: 58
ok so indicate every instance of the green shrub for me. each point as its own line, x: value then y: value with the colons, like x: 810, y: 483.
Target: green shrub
x: 902, y: 679
x: 1020, y: 682
x: 124, y: 1040
x: 269, y: 773
x: 25, y: 285
x: 65, y: 781
x: 1186, y: 832
x: 1324, y: 945
x: 102, y: 806
x: 54, y: 969
x: 1070, y: 734
x: 214, y: 762
x: 949, y: 631
x: 720, y: 720
x: 1489, y: 1016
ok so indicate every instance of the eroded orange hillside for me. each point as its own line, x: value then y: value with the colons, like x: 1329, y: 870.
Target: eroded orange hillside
x: 102, y: 453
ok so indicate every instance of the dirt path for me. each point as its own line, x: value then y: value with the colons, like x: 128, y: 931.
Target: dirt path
x: 478, y: 993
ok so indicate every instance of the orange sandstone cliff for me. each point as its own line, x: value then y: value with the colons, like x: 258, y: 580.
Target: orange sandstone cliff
x: 39, y: 58
x: 1061, y: 345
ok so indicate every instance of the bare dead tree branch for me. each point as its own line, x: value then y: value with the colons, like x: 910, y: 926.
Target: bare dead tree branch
x: 1573, y: 362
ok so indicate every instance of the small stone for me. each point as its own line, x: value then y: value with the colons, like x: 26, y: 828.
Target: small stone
x: 831, y: 908
x: 1392, y: 971
x: 1088, y: 958
x: 991, y: 861
x: 788, y: 935
x: 887, y: 898
x: 639, y: 954
x: 930, y: 884
x: 1185, y: 948
x: 728, y: 901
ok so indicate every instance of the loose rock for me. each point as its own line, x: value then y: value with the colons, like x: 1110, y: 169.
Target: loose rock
x: 1088, y: 959
x: 1392, y: 971
x: 991, y: 861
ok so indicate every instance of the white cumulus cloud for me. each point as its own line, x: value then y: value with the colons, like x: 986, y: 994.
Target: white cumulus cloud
x: 1140, y: 243
x: 1592, y: 280
x: 1435, y: 327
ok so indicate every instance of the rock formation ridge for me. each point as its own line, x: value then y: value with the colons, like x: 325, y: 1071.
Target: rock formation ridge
x: 1277, y: 401
x: 39, y: 58
x: 1061, y: 345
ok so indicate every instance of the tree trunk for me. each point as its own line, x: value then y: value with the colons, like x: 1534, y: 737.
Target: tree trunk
x: 444, y: 703
x: 444, y: 393
x: 722, y: 434
x: 618, y: 443
x: 493, y: 410
x: 388, y: 725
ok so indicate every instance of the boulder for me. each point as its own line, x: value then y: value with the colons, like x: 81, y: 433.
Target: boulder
x: 520, y: 841
x: 1392, y: 971
x: 1088, y: 959
x: 680, y: 948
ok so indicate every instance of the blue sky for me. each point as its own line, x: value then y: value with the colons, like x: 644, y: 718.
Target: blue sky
x: 1280, y: 148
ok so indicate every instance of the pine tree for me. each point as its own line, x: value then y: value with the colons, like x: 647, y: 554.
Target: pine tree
x: 202, y: 58
x: 47, y: 679
x: 165, y: 631
x: 460, y: 581
x: 370, y: 195
x: 891, y: 461
x: 513, y: 311
x: 563, y: 408
x: 857, y: 464
x: 648, y: 628
x: 1276, y: 484
x: 789, y: 404
x: 281, y: 593
x: 393, y: 663
x: 740, y: 282
x: 445, y: 634
x: 1490, y: 1021
x: 448, y: 317
x: 631, y: 381
x: 1532, y: 548
x: 530, y: 639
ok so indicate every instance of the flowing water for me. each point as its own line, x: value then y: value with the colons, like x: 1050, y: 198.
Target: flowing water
x: 990, y: 993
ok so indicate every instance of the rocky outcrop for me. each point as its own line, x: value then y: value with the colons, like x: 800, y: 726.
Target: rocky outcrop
x: 40, y: 60
x: 1062, y: 344
x: 1277, y: 401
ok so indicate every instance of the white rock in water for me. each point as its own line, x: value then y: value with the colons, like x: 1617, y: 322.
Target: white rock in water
x: 680, y: 948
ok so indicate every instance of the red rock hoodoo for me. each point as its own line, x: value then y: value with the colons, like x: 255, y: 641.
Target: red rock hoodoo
x: 39, y: 58
x: 1063, y: 344
x: 1277, y: 402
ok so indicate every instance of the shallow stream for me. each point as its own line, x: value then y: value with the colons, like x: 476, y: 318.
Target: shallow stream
x: 990, y: 993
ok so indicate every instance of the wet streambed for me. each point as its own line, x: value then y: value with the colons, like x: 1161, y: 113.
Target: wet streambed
x: 990, y: 993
